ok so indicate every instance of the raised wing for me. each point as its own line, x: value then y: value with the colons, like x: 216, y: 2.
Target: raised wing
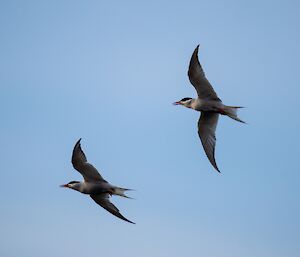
x: 207, y: 125
x: 87, y: 170
x: 199, y: 81
x: 103, y: 201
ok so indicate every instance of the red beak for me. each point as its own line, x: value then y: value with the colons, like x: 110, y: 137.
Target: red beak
x: 177, y: 103
x: 65, y: 185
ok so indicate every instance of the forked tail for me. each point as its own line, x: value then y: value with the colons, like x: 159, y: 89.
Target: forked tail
x: 231, y: 111
x: 121, y: 192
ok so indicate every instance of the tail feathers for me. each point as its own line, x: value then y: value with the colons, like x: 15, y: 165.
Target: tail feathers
x: 231, y: 111
x: 121, y: 192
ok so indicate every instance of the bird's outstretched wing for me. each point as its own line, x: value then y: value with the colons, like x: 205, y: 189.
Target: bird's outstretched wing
x: 207, y: 125
x: 103, y: 201
x: 199, y: 81
x: 87, y: 170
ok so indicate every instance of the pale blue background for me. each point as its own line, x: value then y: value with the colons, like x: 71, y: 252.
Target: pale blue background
x: 108, y: 71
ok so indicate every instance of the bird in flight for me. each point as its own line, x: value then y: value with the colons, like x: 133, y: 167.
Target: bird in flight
x: 94, y: 184
x: 210, y: 106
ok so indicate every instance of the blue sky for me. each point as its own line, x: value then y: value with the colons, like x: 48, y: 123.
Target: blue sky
x: 108, y: 71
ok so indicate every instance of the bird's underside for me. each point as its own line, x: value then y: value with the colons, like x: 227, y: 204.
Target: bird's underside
x: 208, y: 120
x: 210, y: 106
x: 94, y: 184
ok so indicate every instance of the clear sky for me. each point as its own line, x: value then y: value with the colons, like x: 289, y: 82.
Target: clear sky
x: 108, y: 71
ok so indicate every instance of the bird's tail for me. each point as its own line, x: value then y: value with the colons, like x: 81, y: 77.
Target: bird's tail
x: 121, y: 192
x: 231, y: 111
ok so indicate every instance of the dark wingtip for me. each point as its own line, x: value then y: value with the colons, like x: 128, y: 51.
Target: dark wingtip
x: 78, y: 142
x: 76, y: 146
x: 123, y: 218
x: 214, y: 163
x: 216, y: 168
x: 194, y: 56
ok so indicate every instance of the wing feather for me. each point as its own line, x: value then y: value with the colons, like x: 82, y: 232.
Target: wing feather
x: 103, y: 201
x: 87, y: 170
x: 199, y: 81
x: 207, y: 125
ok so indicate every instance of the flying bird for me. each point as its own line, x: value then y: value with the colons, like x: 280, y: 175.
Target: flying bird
x: 210, y: 106
x: 94, y: 184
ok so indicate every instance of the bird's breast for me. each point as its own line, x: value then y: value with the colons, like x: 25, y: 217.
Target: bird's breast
x: 207, y: 105
x: 93, y: 188
x: 199, y: 105
x: 99, y: 188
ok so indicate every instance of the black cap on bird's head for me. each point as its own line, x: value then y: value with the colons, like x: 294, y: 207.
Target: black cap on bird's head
x: 70, y: 183
x: 73, y: 182
x: 183, y: 100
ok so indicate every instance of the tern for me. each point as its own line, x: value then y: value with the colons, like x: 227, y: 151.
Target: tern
x: 94, y: 184
x: 210, y: 106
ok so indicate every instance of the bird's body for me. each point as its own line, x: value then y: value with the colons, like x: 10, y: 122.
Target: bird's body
x: 98, y: 187
x: 94, y: 185
x: 210, y: 106
x: 205, y: 105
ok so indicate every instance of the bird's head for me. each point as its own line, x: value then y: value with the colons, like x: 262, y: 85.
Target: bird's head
x: 187, y: 101
x: 73, y: 185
